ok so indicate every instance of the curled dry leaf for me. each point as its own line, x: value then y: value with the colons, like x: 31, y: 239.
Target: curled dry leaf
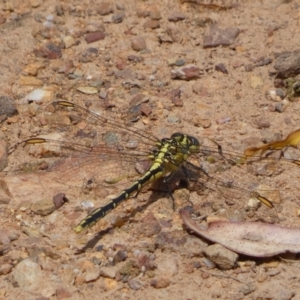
x: 292, y: 139
x: 249, y: 238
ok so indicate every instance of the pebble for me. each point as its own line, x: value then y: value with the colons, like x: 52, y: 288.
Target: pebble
x: 33, y: 68
x: 43, y: 207
x: 33, y: 108
x: 160, y: 283
x: 221, y: 256
x: 173, y: 119
x: 29, y: 80
x: 287, y: 64
x: 176, y: 16
x: 62, y: 293
x: 142, y: 13
x: 5, y: 268
x: 108, y: 272
x: 221, y: 68
x: 187, y: 72
x: 94, y: 36
x: 35, y: 3
x: 220, y: 37
x: 30, y: 277
x: 135, y: 284
x: 150, y: 225
x: 155, y: 14
x: 59, y: 200
x: 138, y: 43
x: 119, y: 256
x: 89, y: 90
x: 7, y: 107
x: 118, y: 18
x: 275, y: 95
x: 201, y: 122
x: 167, y: 266
x: 3, y: 155
x: 256, y: 82
x: 2, y: 20
x: 38, y: 96
x: 247, y: 288
x: 262, y: 123
x: 152, y: 24
x: 50, y: 51
x: 92, y: 273
x: 105, y: 8
x: 69, y: 41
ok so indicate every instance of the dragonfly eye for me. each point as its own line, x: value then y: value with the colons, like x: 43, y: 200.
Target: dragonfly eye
x: 177, y: 136
x: 193, y: 141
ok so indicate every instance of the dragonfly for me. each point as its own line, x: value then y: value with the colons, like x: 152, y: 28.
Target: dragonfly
x: 88, y: 149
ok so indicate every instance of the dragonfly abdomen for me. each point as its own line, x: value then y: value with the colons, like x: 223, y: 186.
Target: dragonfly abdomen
x: 154, y: 173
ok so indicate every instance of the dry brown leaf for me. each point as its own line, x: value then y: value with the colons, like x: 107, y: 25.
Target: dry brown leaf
x: 249, y: 238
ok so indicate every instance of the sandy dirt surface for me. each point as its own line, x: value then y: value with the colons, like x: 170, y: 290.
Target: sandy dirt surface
x: 211, y: 69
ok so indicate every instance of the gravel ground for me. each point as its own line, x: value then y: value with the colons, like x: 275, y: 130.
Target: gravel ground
x: 224, y: 70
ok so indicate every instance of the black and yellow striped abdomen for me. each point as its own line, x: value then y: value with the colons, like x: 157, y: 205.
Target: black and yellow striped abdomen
x: 100, y: 212
x: 169, y: 156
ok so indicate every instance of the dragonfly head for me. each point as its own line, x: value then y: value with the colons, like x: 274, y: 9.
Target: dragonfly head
x: 187, y: 141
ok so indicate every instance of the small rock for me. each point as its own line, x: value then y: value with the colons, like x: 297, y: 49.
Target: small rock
x: 89, y: 55
x: 62, y: 293
x: 221, y: 68
x: 160, y: 283
x: 94, y: 36
x: 187, y: 72
x: 150, y: 225
x: 35, y: 3
x: 92, y: 273
x: 108, y: 272
x: 152, y: 24
x: 5, y: 269
x: 2, y: 20
x: 222, y: 257
x: 29, y: 80
x: 89, y: 90
x: 145, y: 109
x: 33, y: 68
x: 220, y: 37
x: 7, y: 107
x: 262, y: 123
x: 50, y: 51
x: 119, y: 256
x: 59, y: 200
x: 30, y: 277
x: 69, y: 41
x: 4, y: 200
x: 117, y: 18
x: 155, y: 14
x: 43, y: 207
x: 201, y: 122
x: 247, y: 288
x: 135, y: 284
x: 253, y: 204
x: 105, y: 8
x: 167, y: 267
x: 38, y: 95
x: 138, y: 43
x: 291, y: 153
x: 176, y: 16
x: 275, y: 95
x: 287, y: 64
x: 142, y: 13
x: 256, y: 82
x: 179, y: 62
